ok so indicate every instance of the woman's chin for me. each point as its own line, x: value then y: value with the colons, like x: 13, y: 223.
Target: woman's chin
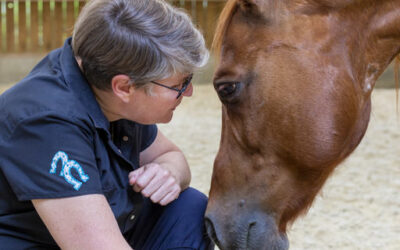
x: 167, y: 118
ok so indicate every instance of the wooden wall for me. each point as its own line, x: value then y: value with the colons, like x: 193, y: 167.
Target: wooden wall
x: 37, y: 26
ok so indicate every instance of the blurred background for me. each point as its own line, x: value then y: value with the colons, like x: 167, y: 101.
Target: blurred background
x: 30, y: 29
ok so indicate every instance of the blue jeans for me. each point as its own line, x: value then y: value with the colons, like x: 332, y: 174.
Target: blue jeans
x: 179, y: 225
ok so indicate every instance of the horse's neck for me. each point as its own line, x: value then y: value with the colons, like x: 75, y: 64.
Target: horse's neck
x: 383, y: 41
x: 385, y: 27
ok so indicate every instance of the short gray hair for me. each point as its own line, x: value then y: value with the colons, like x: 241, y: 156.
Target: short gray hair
x: 143, y: 39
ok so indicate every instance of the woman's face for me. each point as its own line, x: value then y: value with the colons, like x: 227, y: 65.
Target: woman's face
x: 159, y: 105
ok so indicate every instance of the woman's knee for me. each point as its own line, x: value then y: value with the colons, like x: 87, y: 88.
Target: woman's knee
x: 191, y: 200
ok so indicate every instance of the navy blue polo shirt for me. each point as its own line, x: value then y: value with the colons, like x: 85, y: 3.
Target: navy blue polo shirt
x: 55, y: 142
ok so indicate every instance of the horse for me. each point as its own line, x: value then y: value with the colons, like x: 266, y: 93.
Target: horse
x: 295, y: 79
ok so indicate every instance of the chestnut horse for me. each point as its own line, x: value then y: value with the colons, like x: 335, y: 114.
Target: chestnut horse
x: 295, y: 79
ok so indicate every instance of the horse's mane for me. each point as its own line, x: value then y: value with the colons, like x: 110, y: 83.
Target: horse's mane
x: 223, y: 22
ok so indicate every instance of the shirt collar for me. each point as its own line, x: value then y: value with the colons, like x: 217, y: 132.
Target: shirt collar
x: 79, y: 85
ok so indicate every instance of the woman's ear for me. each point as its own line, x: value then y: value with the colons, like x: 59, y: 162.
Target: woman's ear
x: 122, y: 87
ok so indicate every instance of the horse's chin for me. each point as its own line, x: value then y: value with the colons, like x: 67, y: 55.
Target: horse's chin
x: 254, y: 231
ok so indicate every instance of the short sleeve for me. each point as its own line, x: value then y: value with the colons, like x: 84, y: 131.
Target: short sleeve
x: 148, y: 135
x: 50, y: 157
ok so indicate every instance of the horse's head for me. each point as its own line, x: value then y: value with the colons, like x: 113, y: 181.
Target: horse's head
x: 295, y: 79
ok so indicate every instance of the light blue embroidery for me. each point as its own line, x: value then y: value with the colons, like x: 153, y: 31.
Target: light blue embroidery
x: 67, y: 165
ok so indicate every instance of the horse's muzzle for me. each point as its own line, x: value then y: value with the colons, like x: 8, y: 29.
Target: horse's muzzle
x: 253, y: 231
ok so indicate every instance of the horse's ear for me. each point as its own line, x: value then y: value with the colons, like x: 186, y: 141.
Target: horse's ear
x: 248, y: 5
x: 255, y: 7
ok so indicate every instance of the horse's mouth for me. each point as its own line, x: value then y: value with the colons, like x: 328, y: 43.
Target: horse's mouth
x: 257, y: 232
x: 211, y: 232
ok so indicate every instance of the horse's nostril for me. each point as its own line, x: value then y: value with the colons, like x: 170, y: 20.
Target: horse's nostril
x: 211, y: 230
x: 251, y: 226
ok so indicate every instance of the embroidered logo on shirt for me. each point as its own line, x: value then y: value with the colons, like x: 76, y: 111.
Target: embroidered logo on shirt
x: 67, y: 166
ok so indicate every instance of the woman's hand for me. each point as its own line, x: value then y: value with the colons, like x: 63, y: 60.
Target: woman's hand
x: 155, y: 182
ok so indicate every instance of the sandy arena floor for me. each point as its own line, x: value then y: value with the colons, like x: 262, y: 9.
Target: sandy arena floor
x: 359, y: 206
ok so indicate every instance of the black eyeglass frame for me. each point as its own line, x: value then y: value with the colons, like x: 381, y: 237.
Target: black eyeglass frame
x: 185, y: 84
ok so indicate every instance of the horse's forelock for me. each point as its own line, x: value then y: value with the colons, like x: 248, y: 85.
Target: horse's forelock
x: 223, y: 23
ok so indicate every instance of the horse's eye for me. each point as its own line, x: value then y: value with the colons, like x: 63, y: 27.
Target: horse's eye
x: 227, y: 91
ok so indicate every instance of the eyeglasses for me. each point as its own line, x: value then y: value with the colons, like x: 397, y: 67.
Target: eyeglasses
x: 185, y: 84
